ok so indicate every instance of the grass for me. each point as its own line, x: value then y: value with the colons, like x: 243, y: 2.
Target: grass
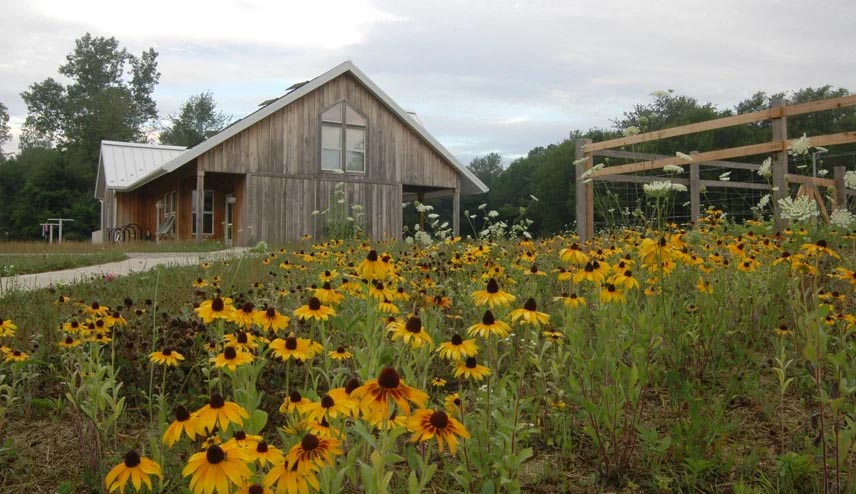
x: 739, y: 385
x: 90, y: 248
x: 18, y: 264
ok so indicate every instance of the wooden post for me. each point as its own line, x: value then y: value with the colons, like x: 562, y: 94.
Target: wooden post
x: 695, y: 191
x: 583, y: 191
x: 200, y: 203
x: 456, y: 213
x: 779, y: 167
x: 420, y: 198
x: 840, y: 189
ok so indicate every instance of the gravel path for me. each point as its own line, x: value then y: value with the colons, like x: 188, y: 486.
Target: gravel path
x: 137, y: 262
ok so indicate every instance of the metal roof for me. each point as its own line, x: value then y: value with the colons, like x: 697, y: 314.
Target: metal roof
x: 123, y: 163
x: 470, y: 184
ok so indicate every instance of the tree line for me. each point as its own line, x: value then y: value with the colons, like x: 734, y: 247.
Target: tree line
x: 108, y: 96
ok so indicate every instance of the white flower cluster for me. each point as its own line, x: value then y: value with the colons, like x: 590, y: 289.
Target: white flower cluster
x: 850, y: 179
x: 684, y: 156
x: 631, y: 131
x: 764, y: 201
x: 766, y: 169
x: 842, y: 218
x: 800, y: 147
x: 802, y: 208
x: 662, y: 188
x: 670, y: 169
x: 588, y: 173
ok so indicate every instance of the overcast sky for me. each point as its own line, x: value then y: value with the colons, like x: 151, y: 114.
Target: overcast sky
x: 483, y: 76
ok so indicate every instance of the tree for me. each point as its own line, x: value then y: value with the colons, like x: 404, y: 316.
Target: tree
x: 197, y: 120
x: 487, y: 167
x: 109, y: 97
x: 5, y: 133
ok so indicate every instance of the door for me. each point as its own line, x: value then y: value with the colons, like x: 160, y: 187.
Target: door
x: 229, y: 223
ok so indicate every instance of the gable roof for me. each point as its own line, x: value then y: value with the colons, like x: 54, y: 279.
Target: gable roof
x: 470, y: 184
x: 121, y: 164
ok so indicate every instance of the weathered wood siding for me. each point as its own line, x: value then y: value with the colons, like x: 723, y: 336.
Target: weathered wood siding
x: 281, y: 157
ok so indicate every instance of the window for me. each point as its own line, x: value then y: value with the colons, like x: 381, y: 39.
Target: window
x: 207, y: 213
x: 343, y: 139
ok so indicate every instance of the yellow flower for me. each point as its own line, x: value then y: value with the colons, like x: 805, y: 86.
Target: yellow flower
x: 15, y: 356
x: 375, y: 394
x: 241, y: 340
x: 492, y: 296
x: 328, y: 407
x: 245, y: 316
x: 200, y: 283
x: 70, y: 342
x: 167, y: 356
x: 470, y: 369
x: 410, y: 332
x: 489, y: 326
x: 426, y: 424
x: 572, y: 301
x: 458, y: 348
x: 219, y: 413
x: 135, y: 469
x: 293, y: 402
x: 314, y: 310
x: 219, y: 308
x: 271, y: 320
x: 291, y: 347
x: 266, y: 454
x: 610, y: 294
x: 231, y: 358
x: 529, y: 314
x: 339, y: 354
x: 574, y: 255
x: 327, y: 295
x: 183, y: 423
x: 313, y: 452
x: 217, y: 469
x: 373, y: 268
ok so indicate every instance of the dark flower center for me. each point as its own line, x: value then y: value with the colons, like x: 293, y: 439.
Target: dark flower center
x: 217, y: 401
x: 439, y: 419
x: 291, y: 343
x: 385, y: 259
x: 821, y: 243
x: 530, y: 305
x: 662, y: 241
x: 488, y: 319
x: 215, y: 454
x: 132, y: 459
x: 240, y: 435
x: 309, y: 442
x: 181, y: 413
x: 75, y: 324
x: 492, y: 286
x: 414, y: 325
x: 314, y: 304
x: 262, y: 447
x: 167, y: 352
x: 198, y: 280
x: 372, y: 256
x: 471, y: 363
x: 457, y: 340
x: 340, y: 350
x: 242, y: 338
x: 327, y: 402
x: 230, y: 353
x: 248, y: 307
x: 69, y: 340
x: 353, y: 384
x: 389, y: 378
x: 326, y: 285
x: 295, y: 397
x: 270, y: 313
x: 96, y: 306
x: 256, y: 489
x: 218, y: 305
x: 610, y: 288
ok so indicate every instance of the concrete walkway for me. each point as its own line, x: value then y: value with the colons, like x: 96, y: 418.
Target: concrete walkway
x: 137, y: 262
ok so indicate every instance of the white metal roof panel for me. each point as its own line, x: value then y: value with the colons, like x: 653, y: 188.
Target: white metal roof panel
x: 124, y: 163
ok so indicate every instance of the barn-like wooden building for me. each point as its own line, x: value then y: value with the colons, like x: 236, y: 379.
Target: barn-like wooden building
x: 262, y: 177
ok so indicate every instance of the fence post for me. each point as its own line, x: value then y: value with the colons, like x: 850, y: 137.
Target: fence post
x: 840, y: 189
x: 695, y: 192
x: 779, y: 166
x: 582, y: 190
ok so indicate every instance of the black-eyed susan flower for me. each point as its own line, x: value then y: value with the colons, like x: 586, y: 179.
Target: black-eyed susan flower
x: 231, y: 358
x: 293, y: 478
x: 592, y: 271
x: 438, y: 382
x: 271, y: 320
x: 611, y: 294
x: 292, y: 348
x: 219, y: 413
x: 96, y: 309
x: 242, y: 340
x: 553, y: 335
x: 572, y: 300
x: 183, y: 424
x: 489, y: 326
x: 245, y: 315
x: 375, y: 394
x: 218, y: 308
x: 327, y: 295
x: 15, y: 356
x: 381, y: 292
x: 453, y: 403
x: 573, y: 255
x: 340, y: 353
x: 529, y: 314
x: 69, y: 327
x: 243, y: 440
x: 410, y: 332
x: 200, y: 283
x: 293, y: 402
x: 313, y: 451
x: 328, y: 408
x: 70, y: 342
x: 135, y: 469
x: 254, y: 488
x: 265, y: 454
x: 458, y: 348
x: 426, y: 424
x: 314, y: 310
x: 373, y: 268
x: 217, y: 470
x: 328, y: 275
x: 492, y: 296
x: 167, y: 356
x: 470, y: 369
x: 819, y: 248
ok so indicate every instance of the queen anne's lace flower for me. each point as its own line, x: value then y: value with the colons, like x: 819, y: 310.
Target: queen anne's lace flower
x: 802, y: 208
x: 842, y: 218
x: 662, y: 188
x: 766, y: 169
x: 800, y: 147
x: 850, y: 179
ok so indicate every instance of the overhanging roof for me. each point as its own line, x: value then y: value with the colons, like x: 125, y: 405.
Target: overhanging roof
x: 124, y: 163
x: 470, y: 184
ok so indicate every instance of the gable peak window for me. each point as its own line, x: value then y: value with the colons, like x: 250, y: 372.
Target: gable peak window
x: 343, y: 139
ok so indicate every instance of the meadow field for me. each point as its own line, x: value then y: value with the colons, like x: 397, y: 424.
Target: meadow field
x: 713, y: 359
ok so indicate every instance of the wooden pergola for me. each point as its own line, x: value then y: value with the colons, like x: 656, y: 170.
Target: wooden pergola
x: 778, y: 147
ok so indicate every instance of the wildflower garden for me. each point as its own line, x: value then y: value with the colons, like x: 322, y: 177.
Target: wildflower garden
x: 713, y: 359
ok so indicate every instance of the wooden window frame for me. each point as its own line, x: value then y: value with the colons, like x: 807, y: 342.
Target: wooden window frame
x: 204, y: 213
x: 343, y: 126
